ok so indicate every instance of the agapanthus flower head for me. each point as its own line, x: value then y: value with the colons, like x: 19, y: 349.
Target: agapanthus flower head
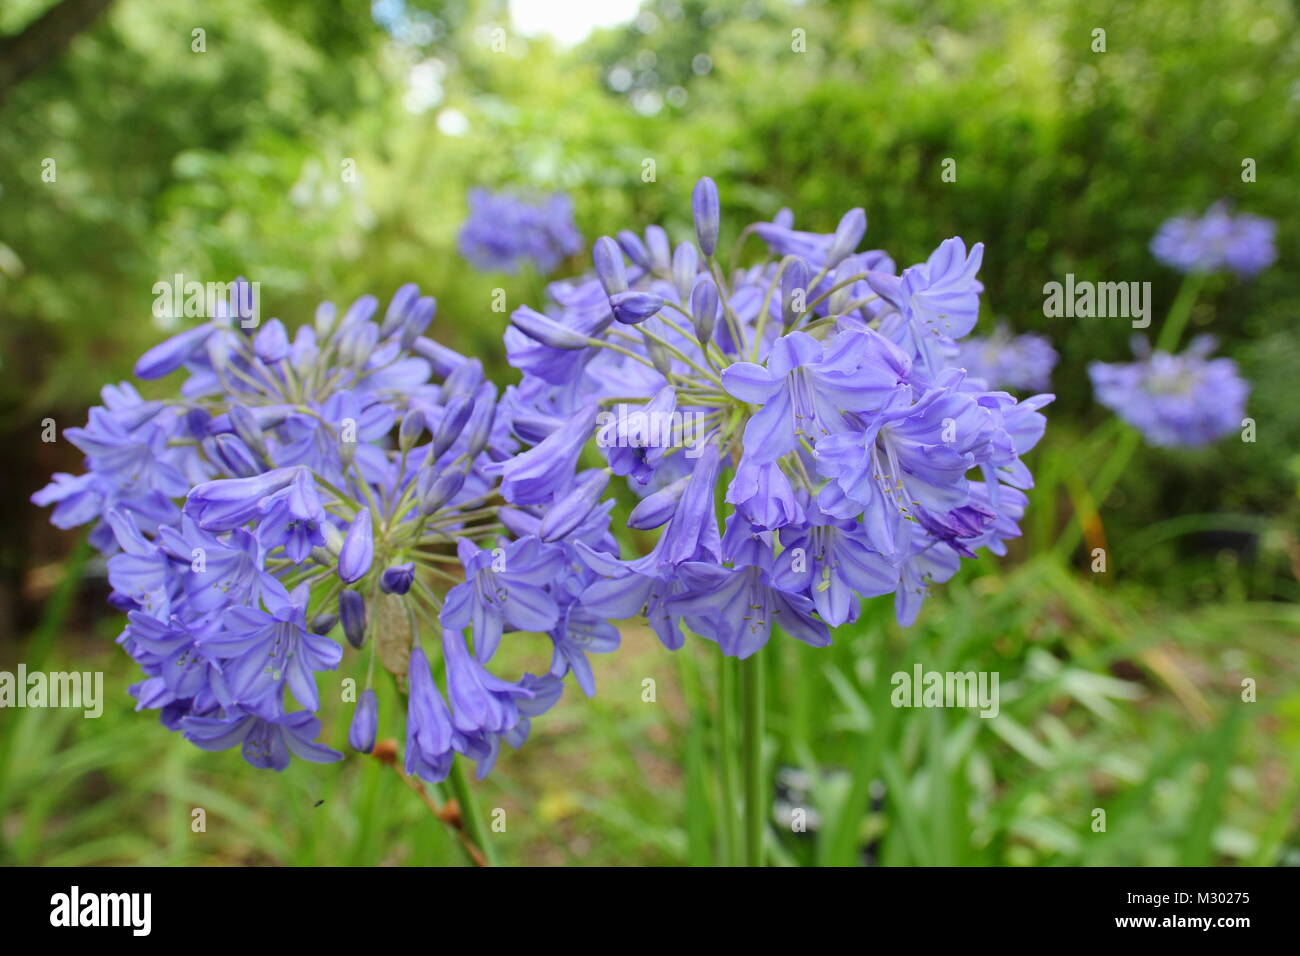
x: 505, y: 230
x: 299, y: 493
x: 1218, y: 240
x: 1183, y: 400
x: 1005, y: 360
x: 798, y: 428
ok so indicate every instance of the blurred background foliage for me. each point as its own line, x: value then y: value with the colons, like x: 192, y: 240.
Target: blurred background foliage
x: 239, y: 160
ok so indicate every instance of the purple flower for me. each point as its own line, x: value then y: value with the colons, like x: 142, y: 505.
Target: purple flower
x: 480, y: 702
x: 578, y: 634
x: 227, y: 503
x: 855, y: 437
x: 537, y: 474
x: 738, y: 607
x: 1216, y: 241
x: 265, y: 742
x: 292, y: 518
x: 1175, y: 400
x: 269, y: 649
x: 504, y: 231
x: 806, y: 388
x: 833, y: 561
x: 504, y: 589
x: 430, y: 736
x: 1003, y: 360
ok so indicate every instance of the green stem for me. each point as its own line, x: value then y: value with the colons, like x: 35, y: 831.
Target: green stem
x: 756, y: 791
x: 730, y: 838
x: 469, y: 814
x: 1179, y: 312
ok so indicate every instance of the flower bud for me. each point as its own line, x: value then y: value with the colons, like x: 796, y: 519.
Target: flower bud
x: 324, y: 623
x: 660, y: 249
x: 441, y: 490
x: 686, y: 263
x: 357, y: 342
x: 422, y: 314
x: 325, y: 315
x: 359, y: 312
x: 794, y: 291
x: 707, y: 212
x: 543, y: 329
x: 840, y: 297
x: 852, y: 227
x: 633, y: 307
x: 608, y: 259
x: 704, y: 309
x: 480, y: 429
x: 236, y: 455
x: 271, y: 342
x: 333, y: 537
x: 660, y: 357
x: 443, y: 360
x: 569, y: 512
x: 352, y: 612
x: 635, y: 249
x: 656, y: 509
x: 398, y: 578
x: 365, y: 723
x: 399, y: 309
x: 246, y: 427
x: 463, y: 380
x: 454, y: 417
x: 347, y: 451
x: 168, y: 356
x: 411, y: 429
x: 358, y: 548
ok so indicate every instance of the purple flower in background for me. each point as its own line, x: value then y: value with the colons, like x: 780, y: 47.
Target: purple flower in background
x: 1216, y: 241
x: 1005, y: 360
x: 505, y: 230
x: 1174, y: 400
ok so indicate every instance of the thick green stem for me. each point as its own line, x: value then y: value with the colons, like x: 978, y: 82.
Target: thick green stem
x: 756, y: 789
x: 469, y: 814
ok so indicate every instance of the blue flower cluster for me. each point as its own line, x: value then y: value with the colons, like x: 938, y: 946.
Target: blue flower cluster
x: 302, y: 491
x: 798, y: 428
x: 1216, y: 241
x: 504, y: 231
x: 1005, y: 360
x: 1174, y: 400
